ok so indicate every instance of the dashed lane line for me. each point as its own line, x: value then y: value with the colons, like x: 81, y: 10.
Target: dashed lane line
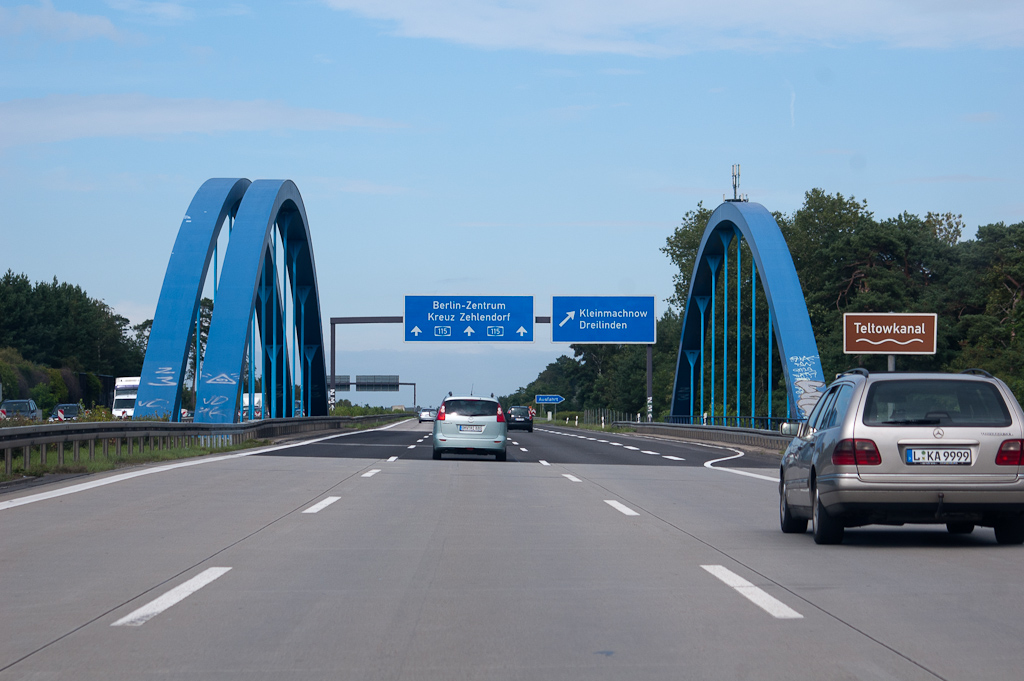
x: 393, y: 459
x: 370, y: 474
x: 620, y: 507
x: 316, y: 508
x: 171, y: 598
x: 571, y: 478
x: 755, y: 595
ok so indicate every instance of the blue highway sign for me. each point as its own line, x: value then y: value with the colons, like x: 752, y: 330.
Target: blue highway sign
x: 603, y: 319
x: 548, y: 399
x: 469, y: 319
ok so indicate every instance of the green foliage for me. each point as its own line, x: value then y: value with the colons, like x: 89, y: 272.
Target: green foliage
x: 346, y: 408
x: 847, y: 261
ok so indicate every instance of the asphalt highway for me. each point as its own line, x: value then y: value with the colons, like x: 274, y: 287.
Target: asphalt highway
x: 585, y: 556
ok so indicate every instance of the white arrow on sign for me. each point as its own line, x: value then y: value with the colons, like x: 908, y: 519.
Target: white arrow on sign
x: 469, y: 331
x: 570, y: 315
x: 521, y: 331
x: 416, y: 331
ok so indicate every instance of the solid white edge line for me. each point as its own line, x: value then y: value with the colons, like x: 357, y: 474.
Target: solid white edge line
x: 81, y: 487
x: 572, y: 478
x: 708, y: 464
x: 316, y: 508
x: 621, y: 508
x: 370, y: 474
x: 755, y: 595
x: 172, y: 597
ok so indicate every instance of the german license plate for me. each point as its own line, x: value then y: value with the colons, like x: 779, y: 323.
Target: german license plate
x: 950, y: 457
x: 471, y: 429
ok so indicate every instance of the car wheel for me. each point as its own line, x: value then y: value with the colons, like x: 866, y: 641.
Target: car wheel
x: 1010, y: 531
x: 437, y: 454
x: 531, y: 429
x: 501, y: 456
x: 789, y: 524
x: 827, y: 530
x: 960, y: 528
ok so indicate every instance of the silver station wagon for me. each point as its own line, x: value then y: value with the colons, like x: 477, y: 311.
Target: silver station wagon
x: 896, y: 448
x: 471, y: 425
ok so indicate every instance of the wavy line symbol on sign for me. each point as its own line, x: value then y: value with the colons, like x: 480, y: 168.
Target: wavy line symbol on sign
x: 890, y: 340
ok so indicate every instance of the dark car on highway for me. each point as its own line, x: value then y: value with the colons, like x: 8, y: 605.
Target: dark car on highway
x: 25, y: 409
x: 520, y: 418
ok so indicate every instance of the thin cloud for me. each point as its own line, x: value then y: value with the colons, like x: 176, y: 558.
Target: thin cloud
x: 665, y: 27
x: 59, y: 118
x: 158, y: 12
x: 43, y: 19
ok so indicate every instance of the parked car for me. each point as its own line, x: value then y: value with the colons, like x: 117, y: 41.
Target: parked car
x: 65, y: 412
x: 897, y: 448
x: 25, y: 409
x: 474, y: 425
x: 520, y: 418
x: 427, y: 415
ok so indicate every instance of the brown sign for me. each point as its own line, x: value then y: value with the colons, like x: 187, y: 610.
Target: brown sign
x: 880, y: 333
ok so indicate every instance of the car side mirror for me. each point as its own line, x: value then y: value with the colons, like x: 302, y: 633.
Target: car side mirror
x: 792, y: 429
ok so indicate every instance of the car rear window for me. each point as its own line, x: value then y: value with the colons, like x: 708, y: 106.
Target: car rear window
x: 935, y: 402
x: 471, y: 407
x: 519, y: 411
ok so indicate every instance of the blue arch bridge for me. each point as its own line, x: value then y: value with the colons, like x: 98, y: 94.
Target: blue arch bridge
x: 266, y: 309
x: 734, y: 367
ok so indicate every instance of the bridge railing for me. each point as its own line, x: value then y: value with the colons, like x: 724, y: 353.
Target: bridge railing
x: 751, y: 437
x: 107, y: 435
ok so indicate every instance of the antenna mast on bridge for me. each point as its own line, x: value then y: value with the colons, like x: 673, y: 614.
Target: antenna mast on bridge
x: 736, y: 196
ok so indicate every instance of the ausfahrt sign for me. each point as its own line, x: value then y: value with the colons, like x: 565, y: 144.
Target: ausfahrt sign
x: 889, y: 333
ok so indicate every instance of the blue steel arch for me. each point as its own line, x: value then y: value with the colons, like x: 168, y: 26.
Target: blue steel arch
x: 173, y: 329
x: 248, y: 286
x: 791, y: 324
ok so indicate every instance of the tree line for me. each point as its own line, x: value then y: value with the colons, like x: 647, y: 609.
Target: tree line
x: 53, y: 332
x: 847, y: 261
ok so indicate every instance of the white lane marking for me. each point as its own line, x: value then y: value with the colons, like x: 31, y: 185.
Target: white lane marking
x: 411, y: 447
x: 370, y: 474
x: 515, y: 443
x: 592, y: 439
x: 673, y: 458
x: 74, y: 489
x: 544, y: 463
x: 316, y: 508
x: 647, y: 451
x: 615, y: 444
x: 572, y: 478
x: 604, y: 441
x: 755, y: 595
x: 708, y: 464
x: 621, y: 508
x: 172, y: 597
x: 635, y: 449
x: 523, y: 449
x: 392, y: 459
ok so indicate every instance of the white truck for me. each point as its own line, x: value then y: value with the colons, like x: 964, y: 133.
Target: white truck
x: 126, y: 389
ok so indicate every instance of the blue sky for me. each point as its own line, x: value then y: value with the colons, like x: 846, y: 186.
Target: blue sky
x: 487, y: 147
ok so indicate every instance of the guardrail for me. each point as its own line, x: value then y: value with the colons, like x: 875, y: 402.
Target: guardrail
x: 105, y: 435
x: 753, y: 437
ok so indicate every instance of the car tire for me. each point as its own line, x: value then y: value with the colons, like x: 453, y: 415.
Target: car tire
x: 788, y: 523
x: 1010, y: 531
x: 960, y: 528
x: 531, y: 429
x: 501, y: 456
x: 827, y: 530
x: 437, y: 454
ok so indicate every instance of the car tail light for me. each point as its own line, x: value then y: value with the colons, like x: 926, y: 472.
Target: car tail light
x: 856, y: 452
x: 501, y: 416
x: 1009, y: 453
x: 440, y: 414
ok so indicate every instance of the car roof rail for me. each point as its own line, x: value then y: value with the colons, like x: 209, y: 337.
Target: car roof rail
x: 855, y: 370
x: 977, y: 372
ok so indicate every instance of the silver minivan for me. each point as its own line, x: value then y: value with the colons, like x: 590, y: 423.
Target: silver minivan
x: 473, y: 425
x: 896, y: 448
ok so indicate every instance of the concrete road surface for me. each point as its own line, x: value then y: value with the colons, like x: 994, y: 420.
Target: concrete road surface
x: 585, y: 556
